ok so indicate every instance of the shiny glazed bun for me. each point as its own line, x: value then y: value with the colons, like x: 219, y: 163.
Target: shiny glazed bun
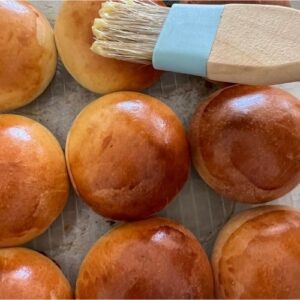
x: 257, y: 255
x: 74, y: 37
x: 127, y: 155
x: 27, y: 274
x: 245, y: 142
x: 33, y: 179
x: 27, y: 54
x: 150, y: 259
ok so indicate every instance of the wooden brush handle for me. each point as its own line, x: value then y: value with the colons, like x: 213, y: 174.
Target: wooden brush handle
x: 256, y: 44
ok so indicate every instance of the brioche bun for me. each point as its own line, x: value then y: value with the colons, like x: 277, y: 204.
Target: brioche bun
x: 127, y: 155
x: 245, y: 142
x: 74, y: 37
x: 27, y: 274
x: 257, y: 255
x: 151, y: 259
x: 27, y: 54
x: 33, y: 179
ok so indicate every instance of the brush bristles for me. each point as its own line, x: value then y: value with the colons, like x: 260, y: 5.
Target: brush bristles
x: 128, y: 29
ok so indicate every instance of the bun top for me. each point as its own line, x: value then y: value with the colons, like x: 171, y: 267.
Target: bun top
x: 127, y: 155
x: 27, y: 54
x: 257, y: 255
x: 33, y: 179
x: 74, y: 38
x: 149, y: 259
x: 245, y: 142
x: 26, y: 274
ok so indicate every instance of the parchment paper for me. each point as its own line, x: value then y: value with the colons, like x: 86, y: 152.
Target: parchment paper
x: 197, y: 206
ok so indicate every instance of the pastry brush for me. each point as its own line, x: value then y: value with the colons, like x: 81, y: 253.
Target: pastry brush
x: 239, y: 43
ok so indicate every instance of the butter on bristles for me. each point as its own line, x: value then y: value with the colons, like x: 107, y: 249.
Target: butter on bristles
x: 128, y: 29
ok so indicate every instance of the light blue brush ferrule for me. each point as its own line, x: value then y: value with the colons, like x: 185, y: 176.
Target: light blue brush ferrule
x: 186, y: 39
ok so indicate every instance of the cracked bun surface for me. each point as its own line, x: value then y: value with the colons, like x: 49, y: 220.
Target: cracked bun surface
x: 33, y: 179
x: 73, y: 34
x: 150, y: 259
x: 257, y: 255
x: 27, y: 274
x: 245, y: 142
x: 127, y: 155
x: 27, y: 54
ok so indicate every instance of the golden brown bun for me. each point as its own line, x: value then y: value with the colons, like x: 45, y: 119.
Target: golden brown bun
x: 27, y: 274
x: 257, y: 255
x: 245, y: 142
x: 74, y: 38
x: 270, y: 2
x: 127, y: 155
x: 33, y: 179
x: 150, y: 259
x: 27, y: 54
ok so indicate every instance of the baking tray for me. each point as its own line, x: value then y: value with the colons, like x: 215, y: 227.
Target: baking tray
x: 78, y: 227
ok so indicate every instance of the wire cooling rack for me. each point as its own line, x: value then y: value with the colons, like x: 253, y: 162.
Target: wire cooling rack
x: 78, y: 227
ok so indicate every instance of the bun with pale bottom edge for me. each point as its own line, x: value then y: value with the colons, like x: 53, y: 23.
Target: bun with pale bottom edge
x: 74, y: 37
x: 257, y: 255
x: 245, y: 142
